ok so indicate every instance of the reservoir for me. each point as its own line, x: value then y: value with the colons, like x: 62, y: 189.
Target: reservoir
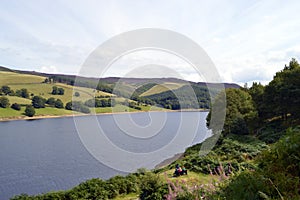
x: 38, y: 156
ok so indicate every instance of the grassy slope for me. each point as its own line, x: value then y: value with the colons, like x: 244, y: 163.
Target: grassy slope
x: 15, y: 78
x: 35, y: 86
x: 162, y: 88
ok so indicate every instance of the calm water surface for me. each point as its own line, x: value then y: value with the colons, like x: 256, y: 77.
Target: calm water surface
x: 38, y: 156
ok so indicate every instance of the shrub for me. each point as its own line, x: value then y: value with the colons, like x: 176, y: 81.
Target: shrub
x: 16, y: 106
x: 29, y: 111
x: 152, y: 187
x: 77, y: 94
x: 50, y: 101
x: 38, y: 102
x: 58, y: 104
x: 77, y: 106
x: 4, y: 102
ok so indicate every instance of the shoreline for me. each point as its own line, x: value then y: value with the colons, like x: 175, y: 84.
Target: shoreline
x: 25, y: 118
x: 168, y: 161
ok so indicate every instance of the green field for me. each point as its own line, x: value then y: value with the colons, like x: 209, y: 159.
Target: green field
x: 19, y: 100
x: 162, y: 88
x: 44, y: 90
x: 36, y: 87
x: 7, y: 78
x: 48, y: 111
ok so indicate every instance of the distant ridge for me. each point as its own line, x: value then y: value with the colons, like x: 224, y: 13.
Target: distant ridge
x: 5, y: 69
x: 131, y: 81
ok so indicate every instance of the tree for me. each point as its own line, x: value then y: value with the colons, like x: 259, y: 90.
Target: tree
x: 38, y: 102
x: 68, y: 106
x: 4, y: 102
x: 22, y: 93
x: 257, y: 93
x: 77, y: 106
x: 29, y: 111
x: 59, y: 104
x: 54, y: 90
x: 6, y: 90
x: 77, y: 94
x: 61, y: 91
x: 240, y: 112
x: 282, y: 95
x: 51, y: 101
x: 16, y: 106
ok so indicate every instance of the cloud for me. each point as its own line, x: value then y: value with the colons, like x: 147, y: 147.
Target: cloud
x: 48, y: 69
x: 247, y: 40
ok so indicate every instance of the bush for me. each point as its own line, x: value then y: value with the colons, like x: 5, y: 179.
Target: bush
x: 152, y: 187
x: 16, y: 106
x: 38, y: 102
x: 50, y: 101
x: 22, y: 93
x: 4, y: 102
x: 77, y: 106
x: 58, y: 104
x: 29, y: 111
x: 77, y: 94
x: 6, y: 90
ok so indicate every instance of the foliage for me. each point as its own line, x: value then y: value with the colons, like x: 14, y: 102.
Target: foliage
x: 6, y: 90
x: 50, y: 101
x: 240, y: 112
x: 38, y: 102
x: 4, y: 102
x: 57, y: 91
x: 22, y: 93
x: 59, y: 104
x: 277, y: 175
x: 29, y: 111
x: 282, y: 94
x: 77, y: 94
x: 152, y: 187
x: 16, y: 106
x: 77, y: 106
x: 107, y: 102
x: 193, y: 96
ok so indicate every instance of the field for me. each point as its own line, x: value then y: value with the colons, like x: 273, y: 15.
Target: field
x: 36, y: 87
x: 162, y: 88
x: 7, y: 78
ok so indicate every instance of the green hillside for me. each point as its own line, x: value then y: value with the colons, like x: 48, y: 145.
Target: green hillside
x: 36, y: 86
x: 162, y: 88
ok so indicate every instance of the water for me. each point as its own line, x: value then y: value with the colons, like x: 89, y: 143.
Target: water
x: 38, y: 156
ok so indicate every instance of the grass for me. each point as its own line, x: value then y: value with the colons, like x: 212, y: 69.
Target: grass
x: 162, y: 88
x: 8, y: 78
x: 35, y: 87
x: 9, y: 112
x: 48, y: 111
x: 131, y: 196
x: 44, y: 90
x: 117, y: 108
x: 191, y: 179
x: 19, y: 100
x: 52, y: 111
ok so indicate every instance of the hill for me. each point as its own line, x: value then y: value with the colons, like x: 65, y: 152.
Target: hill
x: 134, y: 94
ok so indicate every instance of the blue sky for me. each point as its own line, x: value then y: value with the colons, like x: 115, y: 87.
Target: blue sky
x: 247, y: 40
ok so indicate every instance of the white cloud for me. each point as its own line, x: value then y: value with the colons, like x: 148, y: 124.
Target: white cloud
x: 48, y: 69
x: 247, y: 40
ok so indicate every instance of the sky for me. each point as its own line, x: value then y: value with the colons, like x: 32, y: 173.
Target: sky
x: 246, y: 40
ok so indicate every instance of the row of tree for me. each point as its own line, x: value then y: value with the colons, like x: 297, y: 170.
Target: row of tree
x: 248, y: 108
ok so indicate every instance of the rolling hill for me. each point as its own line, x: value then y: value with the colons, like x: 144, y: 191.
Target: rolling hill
x: 130, y: 94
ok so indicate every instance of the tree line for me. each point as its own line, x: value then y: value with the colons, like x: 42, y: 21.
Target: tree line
x: 248, y: 108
